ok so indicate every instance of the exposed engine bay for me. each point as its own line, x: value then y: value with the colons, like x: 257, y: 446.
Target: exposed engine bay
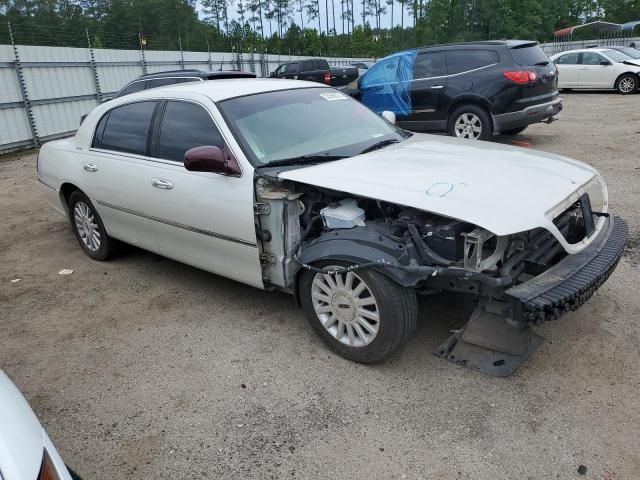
x: 299, y: 225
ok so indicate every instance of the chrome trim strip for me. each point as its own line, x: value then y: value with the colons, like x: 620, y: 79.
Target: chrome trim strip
x: 179, y: 225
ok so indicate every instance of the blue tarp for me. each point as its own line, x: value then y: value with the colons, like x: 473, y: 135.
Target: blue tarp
x: 386, y: 85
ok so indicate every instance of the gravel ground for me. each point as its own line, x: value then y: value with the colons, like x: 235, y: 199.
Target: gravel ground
x: 145, y: 368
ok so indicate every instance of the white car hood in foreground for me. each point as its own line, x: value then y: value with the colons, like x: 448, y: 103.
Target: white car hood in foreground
x: 501, y: 188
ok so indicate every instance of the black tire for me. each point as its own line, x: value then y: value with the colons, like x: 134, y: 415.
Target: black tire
x: 106, y: 245
x: 397, y: 309
x: 514, y: 131
x: 622, y: 85
x: 486, y: 124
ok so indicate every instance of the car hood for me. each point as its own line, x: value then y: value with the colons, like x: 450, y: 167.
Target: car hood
x: 501, y: 188
x: 21, y: 436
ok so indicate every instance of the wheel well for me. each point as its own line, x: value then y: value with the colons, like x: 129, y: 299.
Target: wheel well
x: 65, y: 192
x: 615, y: 85
x: 467, y: 101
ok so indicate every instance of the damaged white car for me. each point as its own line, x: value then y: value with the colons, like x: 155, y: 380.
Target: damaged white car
x: 293, y: 186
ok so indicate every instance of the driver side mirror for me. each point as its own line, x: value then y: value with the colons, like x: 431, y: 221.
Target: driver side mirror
x: 605, y: 63
x: 389, y: 117
x: 210, y: 158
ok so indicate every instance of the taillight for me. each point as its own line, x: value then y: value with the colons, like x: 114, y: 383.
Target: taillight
x: 521, y: 77
x: 327, y: 78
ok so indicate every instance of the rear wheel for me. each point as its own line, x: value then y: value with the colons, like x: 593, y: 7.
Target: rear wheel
x: 627, y: 83
x: 513, y: 131
x: 88, y: 227
x: 361, y: 315
x: 472, y: 122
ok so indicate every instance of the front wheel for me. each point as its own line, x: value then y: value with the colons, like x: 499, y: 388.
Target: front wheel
x: 627, y: 84
x: 472, y: 122
x: 361, y: 315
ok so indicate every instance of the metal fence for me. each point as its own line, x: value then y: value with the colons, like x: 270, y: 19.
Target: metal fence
x: 45, y: 90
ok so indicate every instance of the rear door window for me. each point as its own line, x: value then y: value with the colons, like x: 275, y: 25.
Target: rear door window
x: 568, y: 59
x: 428, y: 65
x: 529, y: 56
x: 184, y: 126
x: 132, y: 88
x: 126, y: 128
x: 459, y: 61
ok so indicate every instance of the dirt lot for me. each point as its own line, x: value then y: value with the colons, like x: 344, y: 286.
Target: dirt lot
x: 145, y: 368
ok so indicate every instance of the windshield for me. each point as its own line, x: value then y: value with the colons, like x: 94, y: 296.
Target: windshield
x: 275, y: 127
x: 632, y: 52
x: 617, y: 55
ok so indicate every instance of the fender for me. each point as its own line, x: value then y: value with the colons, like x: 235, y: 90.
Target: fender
x: 360, y: 245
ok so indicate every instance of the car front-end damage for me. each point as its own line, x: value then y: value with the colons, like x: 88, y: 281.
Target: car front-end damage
x: 522, y: 277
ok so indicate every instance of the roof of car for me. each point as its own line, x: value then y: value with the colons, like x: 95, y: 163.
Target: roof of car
x: 582, y: 50
x: 198, y: 73
x: 483, y: 43
x: 227, y: 88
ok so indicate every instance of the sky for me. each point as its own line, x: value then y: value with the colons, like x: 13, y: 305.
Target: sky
x: 357, y: 6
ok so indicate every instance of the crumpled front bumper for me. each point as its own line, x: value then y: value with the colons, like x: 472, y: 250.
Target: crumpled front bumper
x: 573, y: 280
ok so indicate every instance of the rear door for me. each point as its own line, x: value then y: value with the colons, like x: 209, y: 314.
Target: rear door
x: 568, y: 66
x: 292, y: 70
x: 595, y: 71
x: 428, y: 87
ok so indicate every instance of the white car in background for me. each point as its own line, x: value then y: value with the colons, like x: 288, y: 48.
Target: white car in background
x: 26, y: 452
x: 598, y: 68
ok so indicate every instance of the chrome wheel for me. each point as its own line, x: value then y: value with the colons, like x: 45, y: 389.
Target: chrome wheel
x: 346, y: 307
x: 468, y: 125
x: 627, y: 85
x: 87, y: 226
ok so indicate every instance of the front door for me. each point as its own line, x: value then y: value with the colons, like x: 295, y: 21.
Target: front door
x: 596, y: 71
x: 201, y: 218
x: 428, y: 87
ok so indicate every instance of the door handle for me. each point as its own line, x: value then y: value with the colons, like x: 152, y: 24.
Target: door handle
x: 437, y: 87
x: 90, y: 167
x: 162, y: 183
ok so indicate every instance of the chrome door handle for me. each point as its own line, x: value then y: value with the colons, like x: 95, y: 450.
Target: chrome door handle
x: 90, y: 167
x: 437, y: 87
x: 162, y: 183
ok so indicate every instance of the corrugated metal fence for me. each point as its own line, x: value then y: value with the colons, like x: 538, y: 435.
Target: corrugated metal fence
x: 45, y: 90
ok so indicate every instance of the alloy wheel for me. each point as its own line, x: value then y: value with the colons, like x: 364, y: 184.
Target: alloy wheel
x: 627, y: 85
x: 346, y: 307
x: 87, y: 226
x: 468, y: 125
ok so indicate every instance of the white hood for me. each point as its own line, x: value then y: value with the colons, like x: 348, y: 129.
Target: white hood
x: 501, y: 188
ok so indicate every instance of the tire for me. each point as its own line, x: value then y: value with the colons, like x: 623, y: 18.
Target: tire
x: 396, y: 308
x: 84, y: 218
x: 514, y: 131
x: 469, y: 117
x: 627, y: 84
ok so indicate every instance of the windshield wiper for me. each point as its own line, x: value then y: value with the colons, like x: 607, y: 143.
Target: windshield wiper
x: 380, y: 144
x: 544, y: 63
x: 304, y: 159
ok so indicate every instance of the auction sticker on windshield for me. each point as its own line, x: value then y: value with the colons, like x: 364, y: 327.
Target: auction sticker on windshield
x: 331, y: 96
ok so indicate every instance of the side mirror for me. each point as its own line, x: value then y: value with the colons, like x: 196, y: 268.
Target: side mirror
x: 209, y: 158
x: 604, y: 63
x: 389, y: 117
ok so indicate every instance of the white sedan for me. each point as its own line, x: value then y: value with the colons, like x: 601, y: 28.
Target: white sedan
x: 598, y: 68
x: 294, y: 186
x: 26, y: 452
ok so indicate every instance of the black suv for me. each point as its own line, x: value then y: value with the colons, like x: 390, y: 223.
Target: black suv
x: 171, y: 77
x: 471, y: 90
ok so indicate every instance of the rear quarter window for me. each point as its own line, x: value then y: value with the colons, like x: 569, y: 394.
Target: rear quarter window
x: 528, y: 56
x: 459, y: 61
